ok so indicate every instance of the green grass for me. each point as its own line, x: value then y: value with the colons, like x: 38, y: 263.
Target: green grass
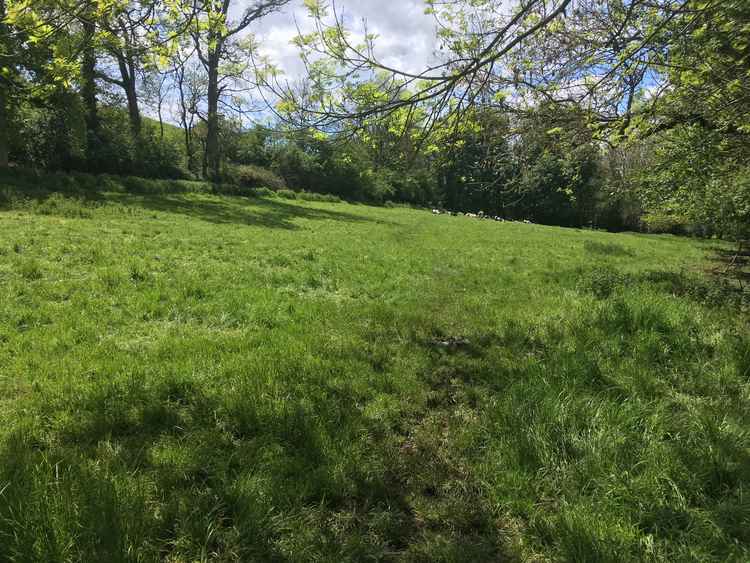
x: 193, y: 377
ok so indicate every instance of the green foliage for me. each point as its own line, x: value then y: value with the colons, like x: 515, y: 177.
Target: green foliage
x: 51, y: 137
x: 602, y: 281
x: 62, y: 206
x: 514, y: 143
x: 699, y: 172
x: 54, y: 138
x: 56, y: 192
x: 309, y: 196
x: 252, y: 147
x: 708, y: 68
x: 665, y: 222
x: 299, y: 168
x: 558, y: 167
x: 252, y: 176
x: 287, y: 194
x: 263, y: 192
x: 326, y: 166
x: 698, y: 178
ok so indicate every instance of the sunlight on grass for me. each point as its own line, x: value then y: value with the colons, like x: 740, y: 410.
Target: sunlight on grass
x: 191, y: 377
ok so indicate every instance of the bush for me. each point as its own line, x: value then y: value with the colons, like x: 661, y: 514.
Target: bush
x: 61, y: 206
x: 299, y: 169
x: 8, y: 198
x: 159, y: 158
x: 230, y: 189
x: 664, y: 222
x: 136, y: 185
x: 304, y: 196
x: 30, y: 270
x: 312, y: 196
x: 712, y: 291
x: 62, y: 182
x: 251, y: 176
x: 110, y: 183
x: 287, y: 194
x: 262, y: 192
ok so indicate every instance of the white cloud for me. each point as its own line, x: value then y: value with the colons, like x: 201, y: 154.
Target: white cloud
x: 406, y: 35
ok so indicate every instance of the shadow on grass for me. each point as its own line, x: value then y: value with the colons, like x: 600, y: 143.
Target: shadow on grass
x: 263, y: 212
x: 545, y: 411
x: 79, y: 196
x: 90, y: 496
x: 606, y: 249
x: 220, y: 469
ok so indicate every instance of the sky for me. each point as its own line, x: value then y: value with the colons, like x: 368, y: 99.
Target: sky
x: 406, y: 36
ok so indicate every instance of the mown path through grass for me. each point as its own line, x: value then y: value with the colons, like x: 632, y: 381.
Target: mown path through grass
x: 194, y: 377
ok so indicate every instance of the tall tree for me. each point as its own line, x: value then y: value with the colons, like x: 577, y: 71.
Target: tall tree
x: 215, y: 36
x: 5, y: 71
x: 88, y: 83
x: 124, y: 40
x: 189, y: 86
x: 140, y: 36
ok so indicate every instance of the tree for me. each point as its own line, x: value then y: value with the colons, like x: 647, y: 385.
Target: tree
x: 216, y: 39
x: 473, y: 156
x: 5, y: 71
x: 557, y: 162
x: 88, y: 83
x: 39, y: 61
x: 610, y: 56
x: 698, y: 177
x: 123, y: 37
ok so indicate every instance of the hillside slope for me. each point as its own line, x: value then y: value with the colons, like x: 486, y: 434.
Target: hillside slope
x: 191, y: 377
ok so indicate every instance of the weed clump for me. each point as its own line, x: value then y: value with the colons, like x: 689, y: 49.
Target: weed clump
x: 711, y: 291
x: 602, y: 282
x: 30, y: 270
x: 606, y: 248
x: 287, y: 194
x: 61, y: 206
x: 312, y: 196
x: 262, y: 192
x: 251, y: 176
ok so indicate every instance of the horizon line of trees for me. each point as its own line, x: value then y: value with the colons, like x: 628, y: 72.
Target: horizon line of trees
x: 607, y: 113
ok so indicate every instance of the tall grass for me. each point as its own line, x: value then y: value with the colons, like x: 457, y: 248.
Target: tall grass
x: 194, y: 377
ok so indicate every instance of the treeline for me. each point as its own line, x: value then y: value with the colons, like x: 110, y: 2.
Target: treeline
x: 161, y: 90
x: 515, y: 167
x: 529, y: 169
x: 544, y: 166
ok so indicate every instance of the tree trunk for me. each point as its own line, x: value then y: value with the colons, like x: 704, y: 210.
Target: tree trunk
x: 212, y: 163
x: 133, y: 110
x: 88, y: 89
x: 3, y: 93
x: 3, y: 127
x: 204, y: 161
x: 189, y: 148
x: 186, y: 125
x: 159, y: 113
x: 127, y: 75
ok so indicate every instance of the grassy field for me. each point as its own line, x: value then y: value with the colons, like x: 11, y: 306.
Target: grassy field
x: 192, y: 377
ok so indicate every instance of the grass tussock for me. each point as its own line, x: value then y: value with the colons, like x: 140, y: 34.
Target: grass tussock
x: 188, y: 376
x: 606, y: 248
